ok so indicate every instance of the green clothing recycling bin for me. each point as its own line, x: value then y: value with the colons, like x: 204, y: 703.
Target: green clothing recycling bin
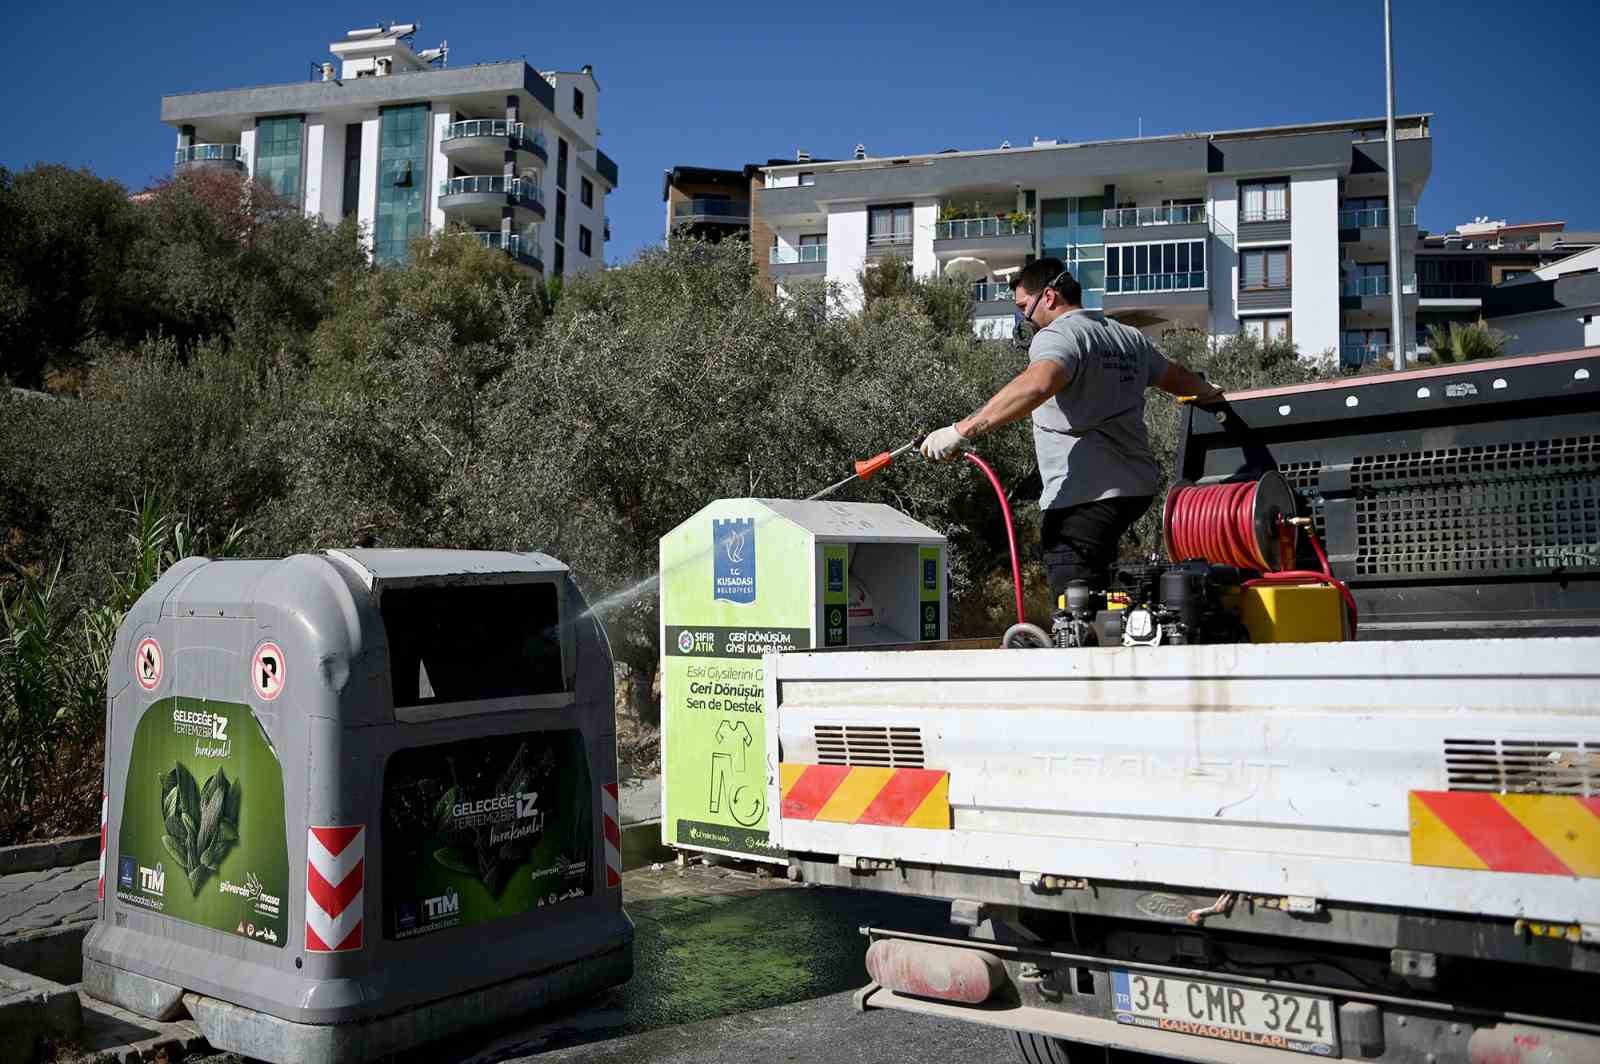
x: 746, y: 577
x: 358, y: 801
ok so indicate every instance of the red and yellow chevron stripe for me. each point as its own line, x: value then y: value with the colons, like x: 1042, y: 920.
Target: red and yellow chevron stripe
x: 1546, y: 834
x: 853, y: 794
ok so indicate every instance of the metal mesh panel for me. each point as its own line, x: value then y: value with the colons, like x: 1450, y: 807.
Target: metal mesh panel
x: 866, y: 744
x: 1524, y: 507
x: 1306, y: 478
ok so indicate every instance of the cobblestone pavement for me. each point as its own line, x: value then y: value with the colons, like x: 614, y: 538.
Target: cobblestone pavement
x: 53, y: 897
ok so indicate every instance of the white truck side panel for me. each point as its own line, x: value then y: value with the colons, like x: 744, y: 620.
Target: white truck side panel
x: 1267, y: 769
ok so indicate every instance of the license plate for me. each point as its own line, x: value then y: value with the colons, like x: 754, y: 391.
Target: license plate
x: 1299, y: 1023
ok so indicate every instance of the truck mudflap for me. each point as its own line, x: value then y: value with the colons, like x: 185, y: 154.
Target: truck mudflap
x: 1194, y: 1014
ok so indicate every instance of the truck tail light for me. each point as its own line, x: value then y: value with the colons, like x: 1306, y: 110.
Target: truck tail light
x: 965, y: 976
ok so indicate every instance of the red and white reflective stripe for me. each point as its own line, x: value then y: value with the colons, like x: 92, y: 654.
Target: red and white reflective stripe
x: 613, y: 833
x: 335, y: 867
x: 104, y: 800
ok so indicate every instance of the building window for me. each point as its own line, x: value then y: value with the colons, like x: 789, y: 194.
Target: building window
x: 561, y: 216
x: 1511, y: 275
x: 1263, y: 268
x: 277, y: 163
x: 1366, y: 279
x: 1264, y: 201
x: 559, y: 266
x: 1359, y: 347
x: 402, y: 162
x: 889, y: 226
x: 1072, y: 230
x: 585, y: 240
x: 352, y: 169
x: 807, y: 177
x: 561, y: 163
x: 577, y: 102
x: 1166, y: 266
x: 586, y: 191
x: 1267, y: 330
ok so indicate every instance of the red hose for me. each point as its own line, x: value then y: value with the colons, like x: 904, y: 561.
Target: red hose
x: 1217, y: 522
x: 1011, y: 532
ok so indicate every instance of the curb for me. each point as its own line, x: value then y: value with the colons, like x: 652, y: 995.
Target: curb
x: 53, y: 953
x: 56, y: 853
x: 32, y: 1009
x: 641, y: 845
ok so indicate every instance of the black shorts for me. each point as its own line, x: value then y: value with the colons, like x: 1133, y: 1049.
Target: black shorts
x: 1080, y: 542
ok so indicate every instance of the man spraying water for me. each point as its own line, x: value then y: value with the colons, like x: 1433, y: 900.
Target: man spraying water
x: 1084, y: 387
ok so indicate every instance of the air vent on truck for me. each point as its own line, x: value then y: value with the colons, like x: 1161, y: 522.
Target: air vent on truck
x: 868, y: 744
x: 1516, y: 766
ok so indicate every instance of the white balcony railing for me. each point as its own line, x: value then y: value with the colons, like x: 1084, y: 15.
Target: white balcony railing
x: 1128, y: 217
x: 791, y: 256
x: 210, y: 153
x: 516, y: 188
x: 973, y: 228
x: 1263, y: 214
x: 889, y: 240
x: 517, y: 132
x: 1375, y: 217
x: 1135, y: 283
x: 1376, y: 286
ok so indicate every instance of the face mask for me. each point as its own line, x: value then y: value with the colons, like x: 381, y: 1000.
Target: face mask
x: 1024, y: 329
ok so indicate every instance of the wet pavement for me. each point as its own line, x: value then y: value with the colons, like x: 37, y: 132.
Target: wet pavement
x: 734, y: 965
x: 729, y: 965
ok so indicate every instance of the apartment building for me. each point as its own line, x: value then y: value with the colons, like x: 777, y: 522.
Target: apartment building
x: 1555, y: 307
x: 1276, y: 232
x: 709, y: 202
x: 410, y: 146
x: 1456, y: 270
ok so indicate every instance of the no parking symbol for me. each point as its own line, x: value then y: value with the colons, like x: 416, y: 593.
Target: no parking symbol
x: 267, y: 672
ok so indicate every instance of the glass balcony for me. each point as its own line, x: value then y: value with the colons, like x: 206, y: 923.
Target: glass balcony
x: 495, y: 127
x: 511, y: 243
x: 712, y: 208
x: 1354, y: 356
x: 1441, y: 290
x: 1376, y: 217
x: 782, y: 256
x: 1129, y: 217
x: 993, y: 292
x: 516, y: 188
x: 210, y: 153
x: 1355, y: 287
x: 1132, y: 284
x: 1357, y: 355
x: 970, y: 228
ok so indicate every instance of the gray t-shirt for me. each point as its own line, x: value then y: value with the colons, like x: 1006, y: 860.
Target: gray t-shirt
x: 1090, y: 437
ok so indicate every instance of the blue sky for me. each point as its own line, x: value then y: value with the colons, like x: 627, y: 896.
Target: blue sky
x: 1511, y: 85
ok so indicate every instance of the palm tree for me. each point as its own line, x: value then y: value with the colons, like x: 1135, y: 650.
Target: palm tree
x: 1465, y: 342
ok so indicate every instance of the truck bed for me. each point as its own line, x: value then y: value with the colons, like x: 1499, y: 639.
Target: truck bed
x: 1278, y: 772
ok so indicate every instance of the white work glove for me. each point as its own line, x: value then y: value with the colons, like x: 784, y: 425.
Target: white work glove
x: 941, y: 445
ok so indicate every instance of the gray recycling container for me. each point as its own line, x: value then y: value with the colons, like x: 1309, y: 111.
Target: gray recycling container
x: 358, y: 801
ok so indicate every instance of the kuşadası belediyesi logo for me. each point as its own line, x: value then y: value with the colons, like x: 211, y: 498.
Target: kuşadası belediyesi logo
x: 733, y: 564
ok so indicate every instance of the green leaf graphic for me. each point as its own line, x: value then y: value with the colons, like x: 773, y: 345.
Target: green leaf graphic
x: 455, y: 860
x: 176, y: 849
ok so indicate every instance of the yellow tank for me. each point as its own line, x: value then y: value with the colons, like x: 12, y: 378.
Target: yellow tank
x: 1293, y: 613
